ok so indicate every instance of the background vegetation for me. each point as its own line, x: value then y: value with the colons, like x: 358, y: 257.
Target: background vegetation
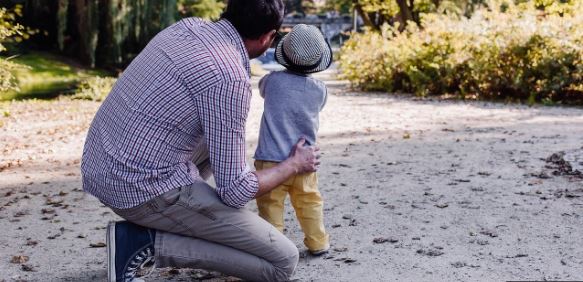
x: 102, y: 33
x: 496, y: 49
x: 529, y: 50
x: 44, y: 58
x: 10, y: 31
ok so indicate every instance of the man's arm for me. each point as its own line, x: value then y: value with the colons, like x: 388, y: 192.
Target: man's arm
x: 223, y: 111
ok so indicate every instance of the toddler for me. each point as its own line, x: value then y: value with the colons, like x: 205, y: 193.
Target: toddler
x: 293, y: 100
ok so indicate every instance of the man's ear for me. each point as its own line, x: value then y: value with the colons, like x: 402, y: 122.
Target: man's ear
x: 267, y: 37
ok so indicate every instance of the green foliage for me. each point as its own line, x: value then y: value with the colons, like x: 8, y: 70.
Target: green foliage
x: 7, y: 79
x: 206, y: 9
x: 342, y: 6
x: 98, y: 32
x: 40, y: 75
x: 295, y: 6
x: 524, y: 53
x: 94, y: 88
x: 375, y: 13
x: 128, y: 27
x: 386, y: 8
x: 10, y: 31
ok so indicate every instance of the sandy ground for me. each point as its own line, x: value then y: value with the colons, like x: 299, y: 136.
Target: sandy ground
x: 415, y: 190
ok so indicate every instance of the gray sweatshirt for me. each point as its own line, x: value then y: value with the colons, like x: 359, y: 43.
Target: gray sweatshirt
x: 291, y: 108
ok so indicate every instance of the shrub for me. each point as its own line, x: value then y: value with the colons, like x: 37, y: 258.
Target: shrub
x: 95, y: 88
x: 7, y: 79
x: 523, y: 53
x: 10, y: 31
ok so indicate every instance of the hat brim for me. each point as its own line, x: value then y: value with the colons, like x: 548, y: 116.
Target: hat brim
x: 324, y: 64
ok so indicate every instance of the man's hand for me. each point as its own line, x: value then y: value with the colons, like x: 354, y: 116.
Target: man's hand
x: 304, y: 158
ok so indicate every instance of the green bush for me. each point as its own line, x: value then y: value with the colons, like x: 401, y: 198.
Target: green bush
x: 10, y: 31
x: 95, y: 88
x: 7, y: 79
x: 525, y: 53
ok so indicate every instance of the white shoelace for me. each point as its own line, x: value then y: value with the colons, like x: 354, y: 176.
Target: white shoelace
x: 138, y: 263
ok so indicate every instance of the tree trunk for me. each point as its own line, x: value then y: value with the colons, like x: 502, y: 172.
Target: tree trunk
x: 405, y: 14
x: 102, y: 32
x: 415, y: 14
x: 365, y: 16
x: 63, y: 7
x: 88, y: 26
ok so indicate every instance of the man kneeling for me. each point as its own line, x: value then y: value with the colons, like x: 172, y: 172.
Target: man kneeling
x: 177, y: 113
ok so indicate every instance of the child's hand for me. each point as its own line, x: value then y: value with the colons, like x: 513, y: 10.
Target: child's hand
x: 305, y: 158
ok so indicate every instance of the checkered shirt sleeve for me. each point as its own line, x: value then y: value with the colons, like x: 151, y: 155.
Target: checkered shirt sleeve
x: 223, y: 110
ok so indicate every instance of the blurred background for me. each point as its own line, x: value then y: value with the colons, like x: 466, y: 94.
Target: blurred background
x: 527, y: 50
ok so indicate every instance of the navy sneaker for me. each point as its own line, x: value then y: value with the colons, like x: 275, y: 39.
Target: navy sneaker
x: 130, y: 249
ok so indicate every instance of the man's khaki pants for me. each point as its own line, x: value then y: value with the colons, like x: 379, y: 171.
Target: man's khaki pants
x: 196, y: 230
x: 307, y: 203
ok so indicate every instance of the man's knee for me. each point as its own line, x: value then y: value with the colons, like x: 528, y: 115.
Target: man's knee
x: 286, y: 266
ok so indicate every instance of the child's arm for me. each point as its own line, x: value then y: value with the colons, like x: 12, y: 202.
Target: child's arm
x: 325, y: 98
x: 262, y: 85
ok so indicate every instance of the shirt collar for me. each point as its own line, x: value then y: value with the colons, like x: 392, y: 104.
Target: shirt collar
x: 226, y: 27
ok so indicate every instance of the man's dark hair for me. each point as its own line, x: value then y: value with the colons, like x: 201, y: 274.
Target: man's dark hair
x: 253, y: 18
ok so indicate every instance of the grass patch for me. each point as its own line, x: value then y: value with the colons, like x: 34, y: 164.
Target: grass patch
x: 46, y: 76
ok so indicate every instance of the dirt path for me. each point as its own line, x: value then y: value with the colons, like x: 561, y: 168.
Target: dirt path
x: 415, y: 190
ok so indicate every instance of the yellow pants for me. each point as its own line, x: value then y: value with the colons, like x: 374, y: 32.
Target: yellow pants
x: 307, y: 202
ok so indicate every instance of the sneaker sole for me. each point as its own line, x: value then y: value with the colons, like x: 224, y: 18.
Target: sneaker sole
x: 111, y: 252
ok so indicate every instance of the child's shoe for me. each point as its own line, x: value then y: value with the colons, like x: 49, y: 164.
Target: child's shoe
x: 319, y: 252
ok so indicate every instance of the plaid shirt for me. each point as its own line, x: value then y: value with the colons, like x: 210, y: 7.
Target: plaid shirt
x: 189, y: 86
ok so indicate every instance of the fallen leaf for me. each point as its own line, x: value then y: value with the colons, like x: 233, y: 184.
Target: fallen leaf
x: 27, y: 267
x: 518, y: 256
x: 345, y: 260
x: 430, y: 252
x: 52, y: 237
x: 349, y: 260
x: 489, y: 232
x: 347, y: 216
x: 19, y: 259
x: 442, y: 206
x: 21, y: 214
x: 458, y: 264
x: 30, y: 242
x: 97, y: 245
x: 48, y: 211
x: 379, y: 240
